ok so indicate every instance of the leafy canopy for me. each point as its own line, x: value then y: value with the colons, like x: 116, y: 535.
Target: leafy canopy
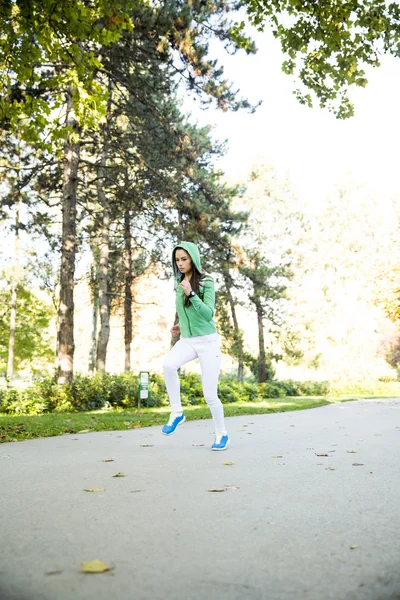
x: 47, y: 45
x: 328, y: 43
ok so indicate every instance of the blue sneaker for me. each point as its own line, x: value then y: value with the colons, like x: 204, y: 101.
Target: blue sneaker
x: 172, y: 424
x: 221, y: 442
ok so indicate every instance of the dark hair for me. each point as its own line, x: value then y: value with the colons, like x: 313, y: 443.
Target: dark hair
x: 195, y: 282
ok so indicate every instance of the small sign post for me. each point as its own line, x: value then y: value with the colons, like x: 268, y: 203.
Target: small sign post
x: 144, y: 387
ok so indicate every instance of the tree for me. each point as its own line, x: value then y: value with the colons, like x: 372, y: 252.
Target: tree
x: 268, y: 289
x: 48, y: 46
x: 272, y: 232
x: 31, y: 330
x: 328, y: 44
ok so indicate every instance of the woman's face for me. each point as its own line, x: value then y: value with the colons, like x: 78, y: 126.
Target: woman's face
x: 183, y: 261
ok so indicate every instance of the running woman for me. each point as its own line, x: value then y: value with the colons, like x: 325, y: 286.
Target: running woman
x: 195, y: 302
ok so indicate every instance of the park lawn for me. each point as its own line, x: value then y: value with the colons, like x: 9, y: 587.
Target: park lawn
x: 24, y: 427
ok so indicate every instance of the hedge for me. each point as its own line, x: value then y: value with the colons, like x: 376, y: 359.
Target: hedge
x: 87, y: 392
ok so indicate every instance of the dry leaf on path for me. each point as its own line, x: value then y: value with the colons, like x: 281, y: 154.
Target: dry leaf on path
x: 119, y: 474
x: 217, y: 490
x: 94, y: 566
x: 321, y: 454
x: 228, y: 462
x: 330, y: 468
x: 358, y: 464
x: 352, y: 451
x: 93, y: 490
x: 353, y: 547
x: 107, y: 460
x: 83, y: 431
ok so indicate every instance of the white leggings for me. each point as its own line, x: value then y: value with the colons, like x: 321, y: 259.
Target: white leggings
x: 207, y: 349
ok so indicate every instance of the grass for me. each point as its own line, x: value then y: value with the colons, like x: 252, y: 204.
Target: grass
x: 16, y: 428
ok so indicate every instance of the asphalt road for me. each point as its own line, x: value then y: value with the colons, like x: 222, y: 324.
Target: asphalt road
x: 290, y: 524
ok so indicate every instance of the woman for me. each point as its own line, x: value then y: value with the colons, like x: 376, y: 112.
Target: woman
x: 195, y: 301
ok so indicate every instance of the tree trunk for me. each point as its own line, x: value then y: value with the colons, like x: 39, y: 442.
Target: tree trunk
x: 128, y: 289
x: 262, y: 370
x: 14, y: 286
x: 66, y: 310
x: 104, y: 296
x: 95, y: 311
x: 238, y: 336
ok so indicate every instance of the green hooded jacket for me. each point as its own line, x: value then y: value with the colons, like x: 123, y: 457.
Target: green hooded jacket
x: 196, y: 319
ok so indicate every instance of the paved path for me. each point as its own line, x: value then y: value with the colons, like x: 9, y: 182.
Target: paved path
x: 293, y: 526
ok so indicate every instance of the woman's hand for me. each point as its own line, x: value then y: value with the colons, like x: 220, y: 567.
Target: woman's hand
x: 175, y: 330
x: 185, y: 285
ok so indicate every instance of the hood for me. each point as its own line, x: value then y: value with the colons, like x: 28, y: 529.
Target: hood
x: 194, y: 254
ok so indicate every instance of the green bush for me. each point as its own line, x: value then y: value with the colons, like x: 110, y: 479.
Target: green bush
x: 87, y: 392
x: 304, y: 388
x: 21, y: 402
x: 270, y: 389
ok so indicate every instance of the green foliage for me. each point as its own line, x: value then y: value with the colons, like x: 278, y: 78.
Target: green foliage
x: 22, y: 402
x: 32, y: 329
x: 45, y: 47
x: 327, y: 44
x: 105, y: 391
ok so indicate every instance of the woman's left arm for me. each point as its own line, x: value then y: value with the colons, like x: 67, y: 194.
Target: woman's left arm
x: 205, y: 307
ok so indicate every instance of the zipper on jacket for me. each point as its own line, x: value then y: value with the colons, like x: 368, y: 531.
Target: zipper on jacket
x: 190, y: 331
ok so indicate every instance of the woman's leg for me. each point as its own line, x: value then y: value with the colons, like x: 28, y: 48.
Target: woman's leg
x: 180, y: 354
x: 210, y: 357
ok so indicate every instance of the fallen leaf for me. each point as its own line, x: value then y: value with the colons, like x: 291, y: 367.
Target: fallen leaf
x: 277, y: 456
x: 94, y: 566
x: 353, y: 547
x: 93, y: 490
x: 83, y: 431
x: 127, y: 422
x: 146, y: 445
x: 321, y: 454
x: 358, y: 464
x: 119, y: 474
x: 107, y: 460
x: 217, y: 490
x: 228, y: 462
x: 352, y: 451
x: 330, y: 468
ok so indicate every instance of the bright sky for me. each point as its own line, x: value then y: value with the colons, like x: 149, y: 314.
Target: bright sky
x: 313, y: 147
